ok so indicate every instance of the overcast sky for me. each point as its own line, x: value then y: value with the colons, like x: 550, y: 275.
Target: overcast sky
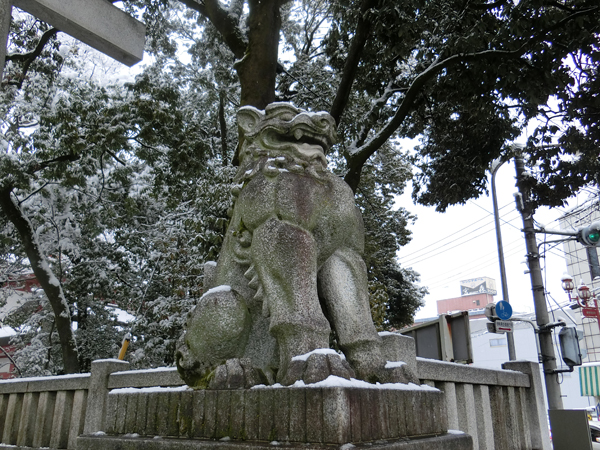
x: 466, y: 247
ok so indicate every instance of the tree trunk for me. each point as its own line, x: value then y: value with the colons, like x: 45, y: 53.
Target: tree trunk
x: 49, y: 283
x: 5, y: 11
x: 257, y: 70
x: 355, y: 166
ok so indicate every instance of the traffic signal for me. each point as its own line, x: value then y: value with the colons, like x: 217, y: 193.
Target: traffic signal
x: 589, y: 235
x: 569, y: 338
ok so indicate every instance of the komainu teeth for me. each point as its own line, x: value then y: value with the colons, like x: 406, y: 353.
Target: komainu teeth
x: 250, y: 273
x: 259, y: 294
x: 298, y: 134
x: 254, y: 283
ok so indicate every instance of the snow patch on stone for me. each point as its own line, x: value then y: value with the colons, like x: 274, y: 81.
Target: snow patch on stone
x: 55, y: 377
x: 131, y: 390
x: 392, y: 364
x: 156, y: 369
x: 222, y: 288
x: 319, y: 351
x: 334, y: 381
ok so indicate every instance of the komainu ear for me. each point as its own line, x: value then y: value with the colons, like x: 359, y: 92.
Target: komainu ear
x: 248, y: 117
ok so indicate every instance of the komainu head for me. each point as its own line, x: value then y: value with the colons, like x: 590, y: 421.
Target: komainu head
x: 283, y: 138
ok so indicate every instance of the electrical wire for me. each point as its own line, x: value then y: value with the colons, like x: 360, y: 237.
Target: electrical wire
x: 437, y: 242
x: 452, y: 275
x: 437, y: 251
x: 492, y: 214
x: 512, y: 248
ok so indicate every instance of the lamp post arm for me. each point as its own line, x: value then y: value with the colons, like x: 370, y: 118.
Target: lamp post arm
x: 512, y: 354
x: 557, y: 232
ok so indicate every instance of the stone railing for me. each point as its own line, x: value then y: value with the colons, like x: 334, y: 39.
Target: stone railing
x: 43, y: 412
x: 500, y: 409
x: 53, y: 411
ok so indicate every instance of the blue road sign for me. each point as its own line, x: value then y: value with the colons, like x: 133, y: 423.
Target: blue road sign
x: 503, y: 310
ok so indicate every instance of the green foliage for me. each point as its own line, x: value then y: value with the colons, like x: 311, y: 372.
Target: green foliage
x: 127, y: 185
x: 479, y: 74
x: 394, y: 292
x: 126, y: 189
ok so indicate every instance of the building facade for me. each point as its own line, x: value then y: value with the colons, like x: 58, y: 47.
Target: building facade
x: 582, y: 266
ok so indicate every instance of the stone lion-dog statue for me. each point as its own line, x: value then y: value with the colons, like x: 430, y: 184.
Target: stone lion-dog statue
x: 290, y: 268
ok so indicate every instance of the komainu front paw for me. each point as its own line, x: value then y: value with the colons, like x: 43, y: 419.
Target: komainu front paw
x: 315, y: 367
x: 237, y: 374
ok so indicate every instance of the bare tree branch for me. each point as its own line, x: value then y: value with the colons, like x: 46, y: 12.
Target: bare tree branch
x: 36, y: 167
x: 225, y: 23
x: 487, y: 6
x: 33, y: 193
x: 363, y: 29
x: 28, y: 58
x: 358, y: 154
x: 115, y: 157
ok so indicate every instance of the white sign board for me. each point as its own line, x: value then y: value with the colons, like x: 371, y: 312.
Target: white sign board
x: 481, y: 285
x: 96, y: 23
x: 503, y: 326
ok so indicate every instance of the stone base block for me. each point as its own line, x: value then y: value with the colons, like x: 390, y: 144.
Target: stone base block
x: 441, y: 442
x: 397, y: 347
x: 327, y: 415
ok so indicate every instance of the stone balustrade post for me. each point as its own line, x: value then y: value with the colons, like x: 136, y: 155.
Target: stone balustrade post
x: 98, y: 392
x: 536, y: 408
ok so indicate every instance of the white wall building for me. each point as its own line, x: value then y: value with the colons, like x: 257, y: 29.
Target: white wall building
x: 578, y: 266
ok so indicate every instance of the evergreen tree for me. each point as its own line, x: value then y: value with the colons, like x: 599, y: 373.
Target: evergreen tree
x: 118, y: 193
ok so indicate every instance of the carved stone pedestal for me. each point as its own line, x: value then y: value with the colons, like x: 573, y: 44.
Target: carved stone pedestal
x: 309, y: 417
x: 445, y: 442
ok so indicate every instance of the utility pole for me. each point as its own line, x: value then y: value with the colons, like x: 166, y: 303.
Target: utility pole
x: 512, y: 354
x: 537, y: 286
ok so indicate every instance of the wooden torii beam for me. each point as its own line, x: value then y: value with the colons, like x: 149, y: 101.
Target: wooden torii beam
x: 97, y: 23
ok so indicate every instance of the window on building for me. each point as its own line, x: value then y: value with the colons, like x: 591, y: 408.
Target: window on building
x: 498, y: 342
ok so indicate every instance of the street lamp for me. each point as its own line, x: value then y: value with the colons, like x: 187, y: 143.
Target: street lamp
x: 589, y: 309
x: 584, y: 293
x: 567, y: 284
x: 512, y: 355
